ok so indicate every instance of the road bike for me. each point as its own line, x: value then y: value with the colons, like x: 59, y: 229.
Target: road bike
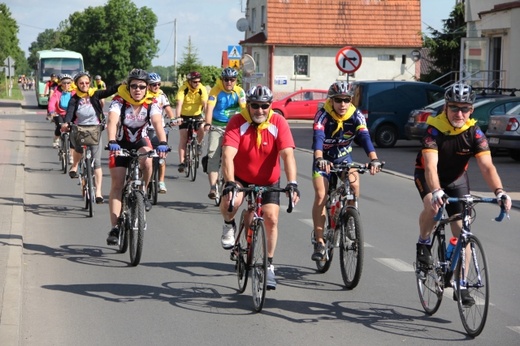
x: 153, y: 185
x: 64, y: 151
x: 343, y: 224
x: 467, y: 268
x: 191, y: 156
x: 86, y: 170
x: 132, y: 218
x: 250, y: 249
x: 220, y: 178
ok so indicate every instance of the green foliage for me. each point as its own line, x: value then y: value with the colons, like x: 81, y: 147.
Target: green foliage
x: 171, y: 92
x: 445, y: 46
x: 9, y: 44
x: 190, y: 61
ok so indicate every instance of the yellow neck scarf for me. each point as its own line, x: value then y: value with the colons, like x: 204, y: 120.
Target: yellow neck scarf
x: 441, y: 123
x: 259, y: 127
x: 125, y: 94
x: 90, y: 92
x: 339, y: 119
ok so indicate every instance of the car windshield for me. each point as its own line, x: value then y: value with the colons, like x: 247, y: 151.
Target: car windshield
x: 514, y: 110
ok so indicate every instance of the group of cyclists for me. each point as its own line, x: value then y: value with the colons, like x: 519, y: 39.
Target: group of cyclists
x: 253, y: 139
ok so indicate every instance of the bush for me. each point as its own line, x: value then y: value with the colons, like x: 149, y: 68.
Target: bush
x: 171, y: 92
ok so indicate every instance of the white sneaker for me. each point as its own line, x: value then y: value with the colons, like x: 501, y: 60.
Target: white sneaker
x: 271, y: 282
x: 56, y: 143
x: 228, y: 237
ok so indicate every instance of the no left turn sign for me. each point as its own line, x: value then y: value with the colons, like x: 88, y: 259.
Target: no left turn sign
x: 348, y: 59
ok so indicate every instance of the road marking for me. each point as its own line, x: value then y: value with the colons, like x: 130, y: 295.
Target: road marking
x: 396, y: 264
x: 515, y: 329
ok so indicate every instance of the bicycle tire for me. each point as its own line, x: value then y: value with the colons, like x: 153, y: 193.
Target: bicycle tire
x: 351, y: 248
x: 137, y: 227
x: 194, y: 160
x: 123, y: 225
x: 477, y: 283
x: 430, y: 281
x: 187, y: 160
x: 241, y: 253
x: 66, y: 155
x: 89, y: 195
x: 153, y: 186
x: 220, y: 187
x: 324, y: 265
x: 259, y: 265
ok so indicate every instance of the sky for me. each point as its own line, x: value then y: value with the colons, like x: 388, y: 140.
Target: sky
x: 211, y: 24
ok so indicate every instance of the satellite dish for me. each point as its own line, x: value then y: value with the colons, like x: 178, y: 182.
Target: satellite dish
x: 248, y: 65
x: 242, y: 24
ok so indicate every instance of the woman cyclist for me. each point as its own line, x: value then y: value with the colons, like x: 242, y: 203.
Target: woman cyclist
x: 58, y: 104
x: 128, y: 116
x: 85, y: 109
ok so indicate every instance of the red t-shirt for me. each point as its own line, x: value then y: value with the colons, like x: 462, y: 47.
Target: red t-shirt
x: 253, y: 164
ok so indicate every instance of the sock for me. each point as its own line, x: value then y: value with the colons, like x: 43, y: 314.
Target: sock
x: 230, y: 223
x: 424, y: 241
x: 270, y: 260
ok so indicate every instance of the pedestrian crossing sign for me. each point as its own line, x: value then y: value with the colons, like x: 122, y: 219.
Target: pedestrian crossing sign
x: 234, y: 52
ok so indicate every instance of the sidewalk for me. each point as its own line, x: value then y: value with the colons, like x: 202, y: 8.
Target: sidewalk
x: 12, y: 141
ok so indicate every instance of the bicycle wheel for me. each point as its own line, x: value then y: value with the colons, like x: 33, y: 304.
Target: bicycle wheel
x: 187, y: 160
x: 476, y: 282
x: 66, y: 153
x: 194, y: 162
x: 259, y: 265
x: 351, y: 248
x: 153, y: 186
x: 220, y: 187
x: 123, y: 225
x: 241, y: 249
x: 137, y: 227
x: 430, y: 281
x: 324, y: 265
x: 89, y: 194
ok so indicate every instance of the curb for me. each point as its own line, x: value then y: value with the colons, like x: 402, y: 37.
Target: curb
x: 12, y: 300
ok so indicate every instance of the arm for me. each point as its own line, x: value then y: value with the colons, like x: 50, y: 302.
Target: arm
x: 489, y: 171
x: 289, y: 163
x: 112, y: 122
x: 156, y: 120
x: 228, y: 168
x: 209, y: 115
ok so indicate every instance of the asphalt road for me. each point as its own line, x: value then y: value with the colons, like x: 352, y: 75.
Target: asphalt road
x: 76, y: 290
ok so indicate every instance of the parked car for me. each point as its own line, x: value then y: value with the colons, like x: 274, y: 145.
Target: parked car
x: 387, y: 104
x: 301, y: 104
x: 416, y: 126
x: 504, y: 132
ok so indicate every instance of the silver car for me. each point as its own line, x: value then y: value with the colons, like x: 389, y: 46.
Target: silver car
x: 504, y: 132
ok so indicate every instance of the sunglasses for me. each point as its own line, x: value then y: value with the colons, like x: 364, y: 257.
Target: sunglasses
x: 195, y: 81
x: 340, y: 100
x: 155, y: 84
x: 137, y: 86
x: 260, y: 105
x: 229, y: 79
x: 456, y: 109
x: 66, y: 82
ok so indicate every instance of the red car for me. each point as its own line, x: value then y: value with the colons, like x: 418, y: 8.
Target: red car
x: 301, y: 104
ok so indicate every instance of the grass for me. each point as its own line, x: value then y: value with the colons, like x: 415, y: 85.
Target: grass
x: 16, y: 93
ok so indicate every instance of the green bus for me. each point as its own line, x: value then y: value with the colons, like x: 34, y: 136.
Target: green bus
x: 57, y: 61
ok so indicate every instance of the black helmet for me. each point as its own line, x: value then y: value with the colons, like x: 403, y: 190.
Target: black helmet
x: 259, y: 93
x: 460, y: 92
x: 137, y: 74
x: 79, y: 75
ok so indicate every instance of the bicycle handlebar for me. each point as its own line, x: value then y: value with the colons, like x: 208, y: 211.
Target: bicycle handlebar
x: 471, y: 200
x: 346, y: 166
x: 134, y: 153
x: 255, y: 188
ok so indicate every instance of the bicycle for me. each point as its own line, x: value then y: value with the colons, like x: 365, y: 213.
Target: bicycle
x: 467, y: 266
x: 343, y: 224
x: 191, y: 156
x: 132, y: 218
x: 250, y: 249
x: 86, y: 171
x: 153, y: 185
x: 220, y: 178
x: 64, y: 151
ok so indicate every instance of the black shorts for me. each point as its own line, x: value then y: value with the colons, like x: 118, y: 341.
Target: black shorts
x: 185, y: 119
x: 267, y: 197
x: 123, y: 161
x: 457, y: 188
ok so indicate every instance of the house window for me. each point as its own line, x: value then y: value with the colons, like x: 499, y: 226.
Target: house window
x: 301, y: 65
x: 386, y: 57
x: 253, y: 20
x: 262, y: 18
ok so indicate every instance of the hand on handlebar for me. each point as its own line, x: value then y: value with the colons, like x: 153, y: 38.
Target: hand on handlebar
x: 113, y: 146
x: 375, y: 166
x: 323, y: 164
x: 293, y: 193
x: 504, y: 201
x: 438, y: 198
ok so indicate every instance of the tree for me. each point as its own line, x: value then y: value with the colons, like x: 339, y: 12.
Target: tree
x: 444, y: 47
x: 9, y: 44
x: 190, y: 61
x: 45, y: 40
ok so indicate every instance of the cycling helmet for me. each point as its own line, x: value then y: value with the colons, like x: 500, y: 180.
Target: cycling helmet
x: 79, y: 75
x: 137, y: 74
x: 259, y: 93
x: 339, y: 89
x: 154, y: 78
x: 229, y: 72
x: 65, y: 76
x: 98, y: 77
x: 193, y: 75
x: 460, y: 92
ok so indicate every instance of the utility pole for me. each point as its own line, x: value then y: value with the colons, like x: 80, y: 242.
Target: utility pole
x: 175, y: 51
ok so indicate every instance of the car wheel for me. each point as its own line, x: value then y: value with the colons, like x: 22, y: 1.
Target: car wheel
x: 386, y: 136
x: 515, y: 154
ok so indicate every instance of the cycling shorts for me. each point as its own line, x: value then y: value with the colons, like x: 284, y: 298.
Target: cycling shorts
x: 123, y: 161
x: 185, y: 119
x: 267, y: 197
